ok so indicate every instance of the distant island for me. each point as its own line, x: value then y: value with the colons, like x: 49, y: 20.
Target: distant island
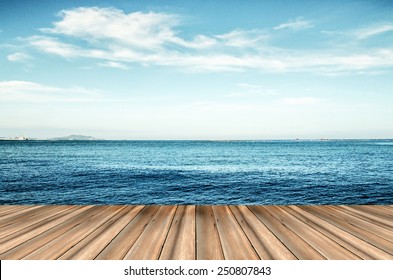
x: 17, y: 138
x: 74, y: 137
x: 68, y: 138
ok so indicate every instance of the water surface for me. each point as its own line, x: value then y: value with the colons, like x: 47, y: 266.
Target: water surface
x: 196, y: 172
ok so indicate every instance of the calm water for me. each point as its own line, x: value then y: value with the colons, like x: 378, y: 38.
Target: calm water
x: 196, y: 172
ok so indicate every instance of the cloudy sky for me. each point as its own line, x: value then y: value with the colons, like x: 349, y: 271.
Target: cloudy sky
x: 196, y: 69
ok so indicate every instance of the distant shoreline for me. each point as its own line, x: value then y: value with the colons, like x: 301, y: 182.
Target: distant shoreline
x: 204, y: 140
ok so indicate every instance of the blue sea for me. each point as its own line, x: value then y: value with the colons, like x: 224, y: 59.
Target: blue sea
x: 196, y: 172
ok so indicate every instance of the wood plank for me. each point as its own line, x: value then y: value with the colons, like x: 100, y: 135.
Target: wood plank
x: 25, y: 234
x: 58, y: 246
x: 21, y: 224
x: 385, y: 223
x: 356, y: 245
x: 180, y: 243
x: 149, y: 244
x: 21, y: 215
x: 90, y: 247
x: 386, y: 207
x: 121, y: 244
x: 234, y: 242
x: 300, y: 248
x: 323, y: 244
x: 265, y: 243
x: 11, y: 209
x: 207, y: 240
x: 361, y: 223
x: 33, y: 244
x: 375, y: 210
x: 367, y: 236
x: 196, y: 232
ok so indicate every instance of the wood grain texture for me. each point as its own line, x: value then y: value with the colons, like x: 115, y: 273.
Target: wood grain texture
x: 299, y: 247
x: 364, y: 233
x: 323, y: 244
x: 151, y: 241
x: 59, y: 245
x: 374, y: 219
x: 21, y: 244
x: 93, y: 244
x: 235, y: 243
x: 356, y: 245
x: 180, y: 242
x: 265, y: 243
x: 28, y: 222
x: 12, y: 209
x: 196, y: 232
x: 207, y: 238
x: 24, y: 214
x: 125, y: 239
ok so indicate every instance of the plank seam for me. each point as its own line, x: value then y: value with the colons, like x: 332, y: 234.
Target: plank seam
x: 98, y: 228
x: 252, y: 246
x: 167, y: 233
x: 363, y: 229
x: 269, y: 229
x: 119, y: 234
x: 218, y: 233
x: 347, y: 230
x: 49, y: 229
x: 319, y: 230
x: 316, y: 229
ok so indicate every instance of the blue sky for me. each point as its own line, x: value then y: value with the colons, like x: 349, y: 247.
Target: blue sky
x: 195, y: 70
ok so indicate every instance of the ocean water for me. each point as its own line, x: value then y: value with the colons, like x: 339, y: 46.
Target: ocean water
x: 196, y: 172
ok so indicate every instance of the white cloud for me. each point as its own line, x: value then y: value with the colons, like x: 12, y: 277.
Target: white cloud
x: 200, y: 42
x: 53, y: 46
x: 117, y: 39
x: 113, y: 64
x: 19, y: 86
x: 373, y: 30
x: 18, y: 57
x: 24, y: 91
x: 140, y: 30
x: 297, y: 24
x: 243, y: 38
x: 143, y: 31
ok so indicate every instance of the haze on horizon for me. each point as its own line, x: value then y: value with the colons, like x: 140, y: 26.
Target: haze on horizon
x: 192, y: 70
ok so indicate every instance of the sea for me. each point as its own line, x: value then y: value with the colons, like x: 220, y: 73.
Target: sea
x: 196, y: 172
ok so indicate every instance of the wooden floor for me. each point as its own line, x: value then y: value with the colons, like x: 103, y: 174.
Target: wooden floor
x: 196, y: 232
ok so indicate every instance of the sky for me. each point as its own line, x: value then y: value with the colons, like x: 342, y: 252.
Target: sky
x: 206, y: 70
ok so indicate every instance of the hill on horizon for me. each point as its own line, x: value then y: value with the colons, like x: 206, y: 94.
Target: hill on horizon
x: 74, y: 137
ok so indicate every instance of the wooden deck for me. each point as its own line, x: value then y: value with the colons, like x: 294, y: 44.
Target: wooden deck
x: 196, y: 232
